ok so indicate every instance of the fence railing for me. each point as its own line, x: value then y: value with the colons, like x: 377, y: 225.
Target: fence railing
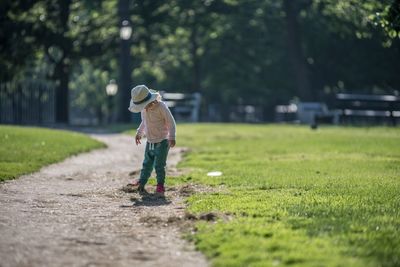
x: 27, y: 103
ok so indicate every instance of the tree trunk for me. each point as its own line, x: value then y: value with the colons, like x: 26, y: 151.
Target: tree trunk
x: 62, y: 93
x: 296, y: 54
x: 62, y: 70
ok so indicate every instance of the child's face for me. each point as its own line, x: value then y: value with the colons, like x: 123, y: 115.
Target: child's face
x: 151, y: 104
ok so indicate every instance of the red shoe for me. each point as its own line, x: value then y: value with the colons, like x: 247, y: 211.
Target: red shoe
x: 160, y: 189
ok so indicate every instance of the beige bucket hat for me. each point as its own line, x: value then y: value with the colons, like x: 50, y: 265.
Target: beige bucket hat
x: 140, y: 97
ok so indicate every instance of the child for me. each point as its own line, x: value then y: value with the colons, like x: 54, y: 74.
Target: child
x: 158, y: 125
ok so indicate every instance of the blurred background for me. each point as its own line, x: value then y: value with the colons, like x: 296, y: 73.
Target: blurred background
x: 74, y: 62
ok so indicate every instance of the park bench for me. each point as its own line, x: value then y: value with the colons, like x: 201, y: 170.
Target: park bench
x: 184, y: 107
x: 355, y: 108
x: 312, y: 113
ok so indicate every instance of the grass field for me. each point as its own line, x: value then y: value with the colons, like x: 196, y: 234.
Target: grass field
x: 25, y: 149
x: 296, y: 197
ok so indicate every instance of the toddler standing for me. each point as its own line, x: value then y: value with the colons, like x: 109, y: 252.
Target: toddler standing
x: 159, y: 126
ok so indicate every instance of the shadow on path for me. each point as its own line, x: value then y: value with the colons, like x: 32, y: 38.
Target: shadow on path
x: 151, y: 199
x: 148, y: 200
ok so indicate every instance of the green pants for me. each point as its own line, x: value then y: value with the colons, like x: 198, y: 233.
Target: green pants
x: 155, y: 156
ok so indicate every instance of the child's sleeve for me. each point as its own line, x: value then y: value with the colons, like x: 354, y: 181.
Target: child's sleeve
x: 141, y: 128
x: 170, y: 122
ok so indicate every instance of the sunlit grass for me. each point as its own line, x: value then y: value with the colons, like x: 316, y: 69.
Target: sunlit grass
x: 329, y: 197
x: 26, y: 149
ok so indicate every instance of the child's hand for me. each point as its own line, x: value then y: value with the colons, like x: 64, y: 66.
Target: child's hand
x: 137, y: 139
x: 171, y: 143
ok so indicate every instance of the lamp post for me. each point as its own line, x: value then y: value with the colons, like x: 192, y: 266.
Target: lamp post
x: 125, y: 61
x: 111, y: 90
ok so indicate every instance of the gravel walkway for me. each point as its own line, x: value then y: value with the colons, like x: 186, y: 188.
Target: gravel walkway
x: 74, y: 213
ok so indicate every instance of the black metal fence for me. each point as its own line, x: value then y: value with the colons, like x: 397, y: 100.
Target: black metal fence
x: 27, y: 103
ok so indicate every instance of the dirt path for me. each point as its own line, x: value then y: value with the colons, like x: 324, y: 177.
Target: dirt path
x: 74, y: 214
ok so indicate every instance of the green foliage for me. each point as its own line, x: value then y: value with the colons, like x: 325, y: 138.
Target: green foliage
x: 296, y: 196
x: 220, y: 48
x: 232, y: 46
x: 89, y: 88
x: 25, y: 150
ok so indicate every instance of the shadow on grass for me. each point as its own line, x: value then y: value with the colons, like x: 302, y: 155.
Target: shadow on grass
x: 99, y: 129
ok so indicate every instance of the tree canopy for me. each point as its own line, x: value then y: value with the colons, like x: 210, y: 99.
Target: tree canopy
x: 232, y: 51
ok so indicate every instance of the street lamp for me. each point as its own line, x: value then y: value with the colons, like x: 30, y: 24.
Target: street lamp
x: 126, y: 30
x: 111, y: 90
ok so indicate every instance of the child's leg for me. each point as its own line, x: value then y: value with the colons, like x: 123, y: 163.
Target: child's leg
x: 161, y: 160
x: 147, y: 166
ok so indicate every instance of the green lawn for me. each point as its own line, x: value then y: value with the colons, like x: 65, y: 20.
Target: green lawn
x: 26, y: 149
x: 297, y: 197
